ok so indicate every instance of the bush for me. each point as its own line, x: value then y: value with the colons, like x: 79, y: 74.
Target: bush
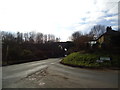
x: 81, y: 59
x: 89, y: 60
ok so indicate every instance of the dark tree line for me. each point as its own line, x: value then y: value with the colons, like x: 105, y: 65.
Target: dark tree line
x: 30, y: 37
x: 21, y: 47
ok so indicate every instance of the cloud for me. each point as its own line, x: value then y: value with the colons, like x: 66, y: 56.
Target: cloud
x: 59, y: 17
x: 84, y: 28
x: 115, y: 27
x: 112, y: 17
x: 95, y: 17
x: 113, y: 10
x: 114, y: 22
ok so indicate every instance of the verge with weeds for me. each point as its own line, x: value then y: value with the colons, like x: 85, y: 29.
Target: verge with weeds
x: 89, y: 60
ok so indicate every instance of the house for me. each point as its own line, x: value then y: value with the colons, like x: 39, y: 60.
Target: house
x: 92, y: 42
x: 109, y: 39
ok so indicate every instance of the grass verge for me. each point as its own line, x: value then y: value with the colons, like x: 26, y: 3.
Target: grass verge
x: 88, y: 60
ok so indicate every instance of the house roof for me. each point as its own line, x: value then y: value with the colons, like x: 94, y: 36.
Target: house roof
x: 109, y: 32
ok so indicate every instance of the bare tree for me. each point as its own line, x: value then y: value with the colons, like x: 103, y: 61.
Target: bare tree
x: 39, y: 38
x: 57, y: 40
x: 51, y: 38
x: 76, y: 35
x: 32, y: 36
x: 45, y: 38
x: 19, y: 37
x: 97, y: 30
x: 26, y: 37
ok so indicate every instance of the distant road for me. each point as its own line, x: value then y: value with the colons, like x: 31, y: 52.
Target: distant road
x: 50, y: 73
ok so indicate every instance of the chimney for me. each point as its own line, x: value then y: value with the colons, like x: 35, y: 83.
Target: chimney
x: 108, y: 29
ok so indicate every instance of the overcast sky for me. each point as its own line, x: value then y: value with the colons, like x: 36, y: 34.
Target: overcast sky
x: 58, y: 17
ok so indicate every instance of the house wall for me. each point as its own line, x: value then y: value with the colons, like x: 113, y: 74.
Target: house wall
x: 101, y: 40
x: 106, y: 40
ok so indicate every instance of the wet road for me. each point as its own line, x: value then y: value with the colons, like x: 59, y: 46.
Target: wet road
x: 50, y: 73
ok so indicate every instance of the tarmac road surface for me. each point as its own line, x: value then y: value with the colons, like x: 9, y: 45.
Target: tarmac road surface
x: 50, y: 73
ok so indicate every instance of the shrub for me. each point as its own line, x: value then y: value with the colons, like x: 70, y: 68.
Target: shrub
x: 89, y: 60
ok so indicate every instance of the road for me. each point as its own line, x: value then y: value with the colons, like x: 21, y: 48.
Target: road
x: 51, y: 74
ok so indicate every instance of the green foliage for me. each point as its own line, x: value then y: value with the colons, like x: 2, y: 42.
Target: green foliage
x: 81, y: 59
x: 89, y: 60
